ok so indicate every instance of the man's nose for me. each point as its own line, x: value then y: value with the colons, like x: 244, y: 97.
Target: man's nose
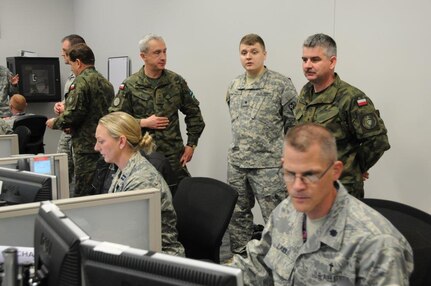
x: 298, y: 183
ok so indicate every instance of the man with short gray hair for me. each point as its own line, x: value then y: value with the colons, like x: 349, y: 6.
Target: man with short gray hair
x: 344, y: 109
x: 321, y: 235
x: 154, y: 95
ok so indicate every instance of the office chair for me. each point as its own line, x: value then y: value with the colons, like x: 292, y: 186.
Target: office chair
x: 36, y: 124
x: 23, y: 136
x: 204, y: 207
x: 415, y: 225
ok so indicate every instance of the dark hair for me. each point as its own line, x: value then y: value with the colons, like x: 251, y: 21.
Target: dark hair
x: 81, y: 52
x: 324, y: 41
x: 252, y: 39
x: 74, y: 39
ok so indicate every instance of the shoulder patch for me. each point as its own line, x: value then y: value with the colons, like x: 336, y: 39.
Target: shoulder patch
x: 72, y: 87
x: 369, y: 121
x: 116, y: 101
x: 121, y: 86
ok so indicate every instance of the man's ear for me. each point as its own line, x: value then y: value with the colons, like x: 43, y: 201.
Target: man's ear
x: 338, y: 169
x: 333, y: 61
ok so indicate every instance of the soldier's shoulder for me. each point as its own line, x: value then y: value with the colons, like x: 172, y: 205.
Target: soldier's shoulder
x: 348, y: 90
x: 173, y: 75
x: 236, y: 81
x: 366, y: 220
x: 277, y: 75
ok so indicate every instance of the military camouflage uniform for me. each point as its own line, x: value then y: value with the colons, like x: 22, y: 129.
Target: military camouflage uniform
x: 355, y: 245
x: 5, y: 127
x: 6, y: 91
x: 261, y: 112
x: 65, y: 141
x: 141, y: 97
x: 351, y: 117
x: 140, y: 174
x: 89, y: 98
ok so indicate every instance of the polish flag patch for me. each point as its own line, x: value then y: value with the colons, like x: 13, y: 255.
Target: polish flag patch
x: 72, y: 87
x: 362, y: 102
x: 121, y: 87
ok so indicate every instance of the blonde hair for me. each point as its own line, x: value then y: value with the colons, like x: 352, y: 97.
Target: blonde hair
x: 120, y: 123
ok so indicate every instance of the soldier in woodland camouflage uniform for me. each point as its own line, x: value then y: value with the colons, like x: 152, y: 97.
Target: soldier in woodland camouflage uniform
x: 261, y: 104
x: 119, y: 139
x: 65, y: 141
x: 8, y: 87
x: 154, y: 95
x: 321, y: 235
x: 345, y: 110
x: 88, y: 100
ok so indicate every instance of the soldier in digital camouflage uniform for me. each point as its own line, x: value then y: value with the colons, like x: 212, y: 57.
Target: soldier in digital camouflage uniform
x: 261, y: 104
x: 5, y: 127
x: 154, y: 95
x: 88, y: 100
x: 8, y: 87
x: 345, y: 110
x: 134, y: 171
x: 321, y: 235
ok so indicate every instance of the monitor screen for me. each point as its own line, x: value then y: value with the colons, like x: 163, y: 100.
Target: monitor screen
x: 19, y: 187
x: 106, y: 263
x: 39, y: 77
x: 56, y: 247
x: 42, y: 165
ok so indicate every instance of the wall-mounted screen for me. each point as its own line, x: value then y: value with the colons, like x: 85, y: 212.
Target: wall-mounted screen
x: 39, y: 77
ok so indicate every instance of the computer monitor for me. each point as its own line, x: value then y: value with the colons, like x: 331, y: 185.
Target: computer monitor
x: 132, y: 218
x: 8, y: 145
x: 59, y: 168
x: 57, y: 247
x: 20, y: 187
x: 42, y: 165
x: 105, y: 263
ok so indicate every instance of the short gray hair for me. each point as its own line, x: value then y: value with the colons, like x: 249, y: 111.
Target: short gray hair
x: 324, y: 41
x: 302, y: 136
x: 143, y: 43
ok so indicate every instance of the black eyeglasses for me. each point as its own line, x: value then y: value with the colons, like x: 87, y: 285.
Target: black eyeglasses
x: 307, y: 178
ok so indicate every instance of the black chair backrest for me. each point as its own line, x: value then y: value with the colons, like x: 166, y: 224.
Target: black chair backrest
x: 204, y: 207
x: 23, y: 136
x: 415, y: 226
x: 37, y: 125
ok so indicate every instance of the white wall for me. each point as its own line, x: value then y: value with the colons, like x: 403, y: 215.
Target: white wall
x: 36, y: 26
x: 381, y: 46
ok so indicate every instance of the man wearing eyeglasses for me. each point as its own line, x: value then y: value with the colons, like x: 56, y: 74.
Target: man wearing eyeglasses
x: 320, y: 234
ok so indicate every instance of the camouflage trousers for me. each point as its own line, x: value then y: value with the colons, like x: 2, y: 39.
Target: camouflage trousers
x: 179, y: 171
x: 266, y: 185
x: 85, y: 169
x: 65, y: 146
